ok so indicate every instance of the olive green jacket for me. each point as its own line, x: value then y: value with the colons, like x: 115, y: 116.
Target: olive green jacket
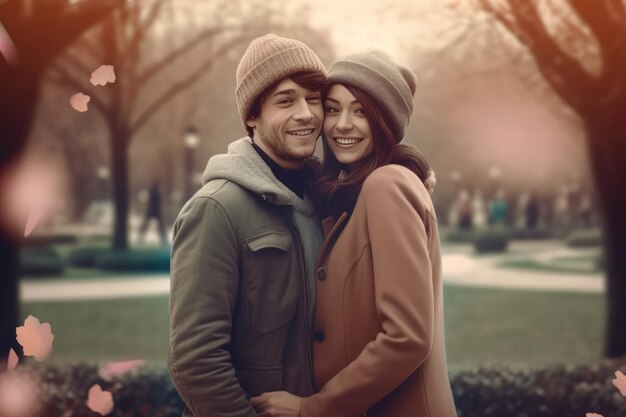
x: 242, y: 290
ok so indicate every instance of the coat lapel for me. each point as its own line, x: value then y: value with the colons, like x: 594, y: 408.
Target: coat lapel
x: 332, y: 227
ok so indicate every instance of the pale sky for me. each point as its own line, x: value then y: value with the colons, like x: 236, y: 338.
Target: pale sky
x: 355, y: 25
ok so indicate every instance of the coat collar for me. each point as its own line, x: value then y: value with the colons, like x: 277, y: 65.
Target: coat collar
x: 332, y: 227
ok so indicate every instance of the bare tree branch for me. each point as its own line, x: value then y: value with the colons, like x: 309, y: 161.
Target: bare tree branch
x: 570, y: 26
x: 83, y: 45
x: 183, y: 84
x: 611, y: 37
x: 617, y: 11
x: 153, y: 70
x: 66, y: 19
x: 564, y: 73
x: 141, y: 27
x: 77, y: 64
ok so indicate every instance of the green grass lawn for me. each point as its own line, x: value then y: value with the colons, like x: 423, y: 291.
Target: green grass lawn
x: 106, y: 330
x: 522, y: 328
x: 483, y: 326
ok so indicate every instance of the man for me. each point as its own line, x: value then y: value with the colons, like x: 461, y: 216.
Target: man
x: 244, y: 246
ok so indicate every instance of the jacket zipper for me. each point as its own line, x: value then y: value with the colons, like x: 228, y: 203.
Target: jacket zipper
x: 307, y: 322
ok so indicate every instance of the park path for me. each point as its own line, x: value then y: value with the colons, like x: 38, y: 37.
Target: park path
x: 102, y: 288
x: 146, y: 286
x: 460, y: 268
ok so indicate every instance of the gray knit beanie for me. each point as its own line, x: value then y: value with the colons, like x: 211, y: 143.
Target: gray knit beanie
x: 391, y: 85
x: 267, y: 60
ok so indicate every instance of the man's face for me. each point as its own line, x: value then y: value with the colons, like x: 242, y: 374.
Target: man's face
x: 288, y: 124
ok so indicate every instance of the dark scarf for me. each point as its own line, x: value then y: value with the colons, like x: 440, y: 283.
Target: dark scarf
x: 294, y: 180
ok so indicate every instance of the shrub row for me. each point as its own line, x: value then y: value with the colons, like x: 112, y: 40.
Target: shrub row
x: 48, y: 262
x: 493, y: 239
x: 555, y: 391
x: 41, y: 261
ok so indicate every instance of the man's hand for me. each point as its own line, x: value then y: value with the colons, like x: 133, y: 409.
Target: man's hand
x: 277, y: 404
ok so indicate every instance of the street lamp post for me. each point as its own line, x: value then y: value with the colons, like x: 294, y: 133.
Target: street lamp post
x: 104, y: 173
x: 191, y: 140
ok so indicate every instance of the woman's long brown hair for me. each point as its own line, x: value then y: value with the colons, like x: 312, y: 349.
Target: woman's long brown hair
x: 333, y: 196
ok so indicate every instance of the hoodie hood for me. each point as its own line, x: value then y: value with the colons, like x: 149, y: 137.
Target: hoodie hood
x: 245, y: 167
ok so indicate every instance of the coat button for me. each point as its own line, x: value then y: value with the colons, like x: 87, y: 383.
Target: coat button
x: 319, y: 336
x: 321, y: 273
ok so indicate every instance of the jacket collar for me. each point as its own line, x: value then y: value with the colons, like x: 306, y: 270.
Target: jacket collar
x: 244, y: 166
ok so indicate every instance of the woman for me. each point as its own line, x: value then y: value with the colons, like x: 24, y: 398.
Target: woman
x: 378, y: 331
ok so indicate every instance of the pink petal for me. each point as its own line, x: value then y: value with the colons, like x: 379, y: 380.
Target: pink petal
x: 620, y: 382
x: 33, y: 219
x: 112, y: 369
x: 32, y: 190
x: 7, y: 47
x: 103, y: 75
x: 100, y: 401
x: 79, y: 102
x: 35, y: 338
x: 13, y: 360
x: 18, y: 395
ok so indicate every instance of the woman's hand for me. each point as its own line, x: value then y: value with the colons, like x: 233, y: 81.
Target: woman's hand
x: 431, y: 181
x: 277, y: 404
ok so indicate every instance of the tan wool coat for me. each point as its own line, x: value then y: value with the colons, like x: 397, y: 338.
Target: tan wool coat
x: 378, y: 329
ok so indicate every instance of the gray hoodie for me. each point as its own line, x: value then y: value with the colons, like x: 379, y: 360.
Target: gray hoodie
x: 244, y: 166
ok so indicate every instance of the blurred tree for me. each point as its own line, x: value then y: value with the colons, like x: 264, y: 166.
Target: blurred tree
x: 153, y: 67
x: 579, y: 47
x: 467, y: 71
x: 78, y: 141
x: 38, y: 30
x: 125, y: 39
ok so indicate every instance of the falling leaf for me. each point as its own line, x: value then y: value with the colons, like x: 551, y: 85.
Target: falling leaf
x: 110, y: 370
x: 100, y: 401
x: 7, y: 47
x: 35, y: 338
x: 13, y: 360
x: 79, y: 102
x: 593, y: 415
x: 620, y: 382
x: 103, y: 75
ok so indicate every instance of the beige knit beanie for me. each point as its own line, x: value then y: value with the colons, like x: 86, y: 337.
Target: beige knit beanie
x: 267, y: 60
x: 391, y: 85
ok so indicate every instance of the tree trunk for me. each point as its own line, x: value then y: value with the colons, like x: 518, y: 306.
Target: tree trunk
x: 9, y: 310
x: 17, y: 101
x: 119, y: 163
x: 607, y: 148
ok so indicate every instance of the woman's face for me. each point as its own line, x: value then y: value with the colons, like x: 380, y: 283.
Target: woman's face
x: 346, y: 128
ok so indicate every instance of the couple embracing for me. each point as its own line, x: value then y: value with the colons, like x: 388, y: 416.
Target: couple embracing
x: 308, y: 288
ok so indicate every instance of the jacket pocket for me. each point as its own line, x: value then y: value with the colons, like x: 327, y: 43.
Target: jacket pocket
x: 255, y: 381
x: 271, y: 280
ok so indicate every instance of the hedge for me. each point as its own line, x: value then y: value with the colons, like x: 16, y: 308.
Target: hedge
x: 41, y: 262
x: 555, y: 391
x: 491, y: 240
